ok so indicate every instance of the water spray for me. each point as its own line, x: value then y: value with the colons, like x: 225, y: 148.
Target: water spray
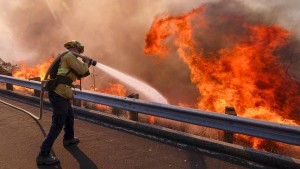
x: 150, y: 93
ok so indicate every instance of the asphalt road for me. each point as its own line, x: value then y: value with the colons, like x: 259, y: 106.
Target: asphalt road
x: 100, y: 147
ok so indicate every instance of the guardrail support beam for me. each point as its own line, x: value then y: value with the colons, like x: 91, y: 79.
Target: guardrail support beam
x: 8, y: 85
x: 229, y: 136
x: 77, y: 102
x: 36, y: 93
x: 132, y: 114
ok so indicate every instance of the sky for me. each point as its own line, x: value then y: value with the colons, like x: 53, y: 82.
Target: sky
x: 113, y: 33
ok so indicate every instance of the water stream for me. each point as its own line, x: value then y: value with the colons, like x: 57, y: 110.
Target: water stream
x: 149, y: 92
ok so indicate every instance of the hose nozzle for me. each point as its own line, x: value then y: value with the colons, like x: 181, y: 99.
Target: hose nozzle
x: 94, y: 62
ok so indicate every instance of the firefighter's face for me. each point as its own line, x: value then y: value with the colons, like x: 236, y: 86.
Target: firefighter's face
x: 74, y: 49
x: 77, y: 50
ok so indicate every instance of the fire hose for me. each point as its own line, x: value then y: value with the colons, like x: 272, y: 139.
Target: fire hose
x: 18, y: 108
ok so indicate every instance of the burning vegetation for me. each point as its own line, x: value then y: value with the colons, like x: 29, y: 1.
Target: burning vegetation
x: 233, y: 61
x: 114, y: 89
x: 27, y: 72
x: 6, y: 67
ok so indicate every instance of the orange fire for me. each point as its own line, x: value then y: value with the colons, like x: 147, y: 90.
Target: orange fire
x: 245, y: 74
x: 114, y: 89
x: 27, y: 72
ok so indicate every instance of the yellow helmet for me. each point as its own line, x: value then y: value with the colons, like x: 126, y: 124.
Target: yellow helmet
x: 76, y: 44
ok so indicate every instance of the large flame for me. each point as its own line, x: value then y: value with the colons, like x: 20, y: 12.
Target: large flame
x: 28, y: 72
x: 245, y: 74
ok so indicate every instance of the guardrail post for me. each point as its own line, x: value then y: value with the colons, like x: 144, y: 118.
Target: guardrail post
x: 133, y: 115
x: 36, y: 92
x: 115, y: 111
x: 228, y: 136
x: 77, y: 102
x: 9, y: 86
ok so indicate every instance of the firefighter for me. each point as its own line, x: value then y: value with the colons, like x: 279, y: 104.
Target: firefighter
x: 69, y: 70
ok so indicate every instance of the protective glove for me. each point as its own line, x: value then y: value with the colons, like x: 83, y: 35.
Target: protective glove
x: 87, y: 60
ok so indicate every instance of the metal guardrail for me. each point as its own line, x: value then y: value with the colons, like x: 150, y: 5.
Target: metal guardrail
x: 21, y: 82
x: 257, y: 128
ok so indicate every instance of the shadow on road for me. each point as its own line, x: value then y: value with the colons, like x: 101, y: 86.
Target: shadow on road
x: 83, y: 160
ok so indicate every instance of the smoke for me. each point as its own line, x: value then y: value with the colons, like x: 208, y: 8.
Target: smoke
x: 286, y: 15
x: 113, y: 33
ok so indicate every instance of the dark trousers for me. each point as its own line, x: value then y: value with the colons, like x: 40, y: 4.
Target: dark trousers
x: 63, y: 116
